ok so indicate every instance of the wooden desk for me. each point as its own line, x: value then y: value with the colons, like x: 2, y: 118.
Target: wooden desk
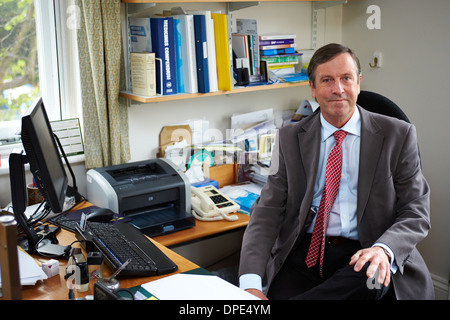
x: 202, y: 229
x: 55, y: 288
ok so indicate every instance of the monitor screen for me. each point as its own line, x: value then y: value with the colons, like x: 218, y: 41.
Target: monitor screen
x: 44, y: 157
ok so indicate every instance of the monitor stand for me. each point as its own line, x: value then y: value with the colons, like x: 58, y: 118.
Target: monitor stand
x: 35, y: 242
x: 44, y: 248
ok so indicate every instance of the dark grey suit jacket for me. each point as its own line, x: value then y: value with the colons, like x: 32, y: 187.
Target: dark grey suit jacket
x: 392, y: 205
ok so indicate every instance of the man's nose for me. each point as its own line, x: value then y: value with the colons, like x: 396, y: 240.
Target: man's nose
x: 338, y: 87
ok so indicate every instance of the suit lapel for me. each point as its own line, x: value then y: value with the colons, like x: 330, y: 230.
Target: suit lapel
x: 371, y: 146
x: 309, y: 144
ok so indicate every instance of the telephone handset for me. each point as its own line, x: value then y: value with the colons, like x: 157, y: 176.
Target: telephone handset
x: 209, y: 204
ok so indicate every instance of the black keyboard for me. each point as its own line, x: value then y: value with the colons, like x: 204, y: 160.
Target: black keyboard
x: 64, y: 222
x: 122, y: 242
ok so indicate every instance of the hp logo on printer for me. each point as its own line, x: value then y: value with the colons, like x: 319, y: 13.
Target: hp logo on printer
x: 150, y: 198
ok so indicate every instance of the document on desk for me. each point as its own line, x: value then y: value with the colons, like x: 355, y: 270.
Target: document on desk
x: 195, y: 287
x: 29, y: 270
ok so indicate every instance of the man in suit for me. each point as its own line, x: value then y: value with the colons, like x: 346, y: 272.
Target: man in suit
x: 380, y: 213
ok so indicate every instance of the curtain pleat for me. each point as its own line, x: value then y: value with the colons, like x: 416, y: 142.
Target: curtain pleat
x: 105, y: 116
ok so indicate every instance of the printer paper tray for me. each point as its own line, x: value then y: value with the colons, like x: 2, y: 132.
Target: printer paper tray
x: 162, y: 221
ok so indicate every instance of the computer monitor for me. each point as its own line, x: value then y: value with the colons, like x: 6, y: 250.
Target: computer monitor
x: 41, y: 152
x: 43, y: 155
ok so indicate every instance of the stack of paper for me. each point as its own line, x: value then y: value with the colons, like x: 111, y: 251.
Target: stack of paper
x: 29, y: 270
x: 195, y: 287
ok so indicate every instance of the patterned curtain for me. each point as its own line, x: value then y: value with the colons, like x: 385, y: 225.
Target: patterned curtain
x: 105, y: 115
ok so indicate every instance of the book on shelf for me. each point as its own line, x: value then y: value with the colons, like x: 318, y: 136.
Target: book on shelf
x: 240, y: 46
x: 277, y: 64
x: 222, y: 48
x: 143, y: 74
x: 293, y: 58
x: 282, y: 65
x: 272, y: 52
x: 276, y: 36
x: 201, y: 50
x: 188, y: 52
x: 140, y: 37
x: 275, y: 42
x: 178, y: 54
x: 163, y: 45
x: 282, y: 69
x: 212, y: 66
x: 249, y: 28
x: 277, y: 46
x: 245, y: 46
x: 255, y: 54
x: 251, y: 54
x: 294, y: 77
x: 230, y: 46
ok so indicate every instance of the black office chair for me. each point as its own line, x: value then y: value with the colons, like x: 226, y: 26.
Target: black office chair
x: 375, y: 102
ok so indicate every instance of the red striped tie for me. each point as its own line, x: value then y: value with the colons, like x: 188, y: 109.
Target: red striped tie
x: 332, y: 180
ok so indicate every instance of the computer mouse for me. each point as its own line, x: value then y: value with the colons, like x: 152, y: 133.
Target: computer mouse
x: 100, y: 215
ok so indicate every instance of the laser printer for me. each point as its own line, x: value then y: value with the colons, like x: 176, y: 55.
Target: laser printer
x: 153, y: 193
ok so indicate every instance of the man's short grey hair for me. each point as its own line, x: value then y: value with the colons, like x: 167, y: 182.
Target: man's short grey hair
x: 327, y: 53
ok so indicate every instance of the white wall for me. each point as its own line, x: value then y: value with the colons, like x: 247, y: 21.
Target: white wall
x: 415, y: 45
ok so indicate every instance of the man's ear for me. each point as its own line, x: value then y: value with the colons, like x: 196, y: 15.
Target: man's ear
x: 313, y: 89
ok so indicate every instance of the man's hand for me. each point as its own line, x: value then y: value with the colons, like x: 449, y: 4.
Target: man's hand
x: 257, y: 293
x: 378, y: 259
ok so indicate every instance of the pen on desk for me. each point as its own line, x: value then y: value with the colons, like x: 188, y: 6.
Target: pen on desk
x: 34, y: 183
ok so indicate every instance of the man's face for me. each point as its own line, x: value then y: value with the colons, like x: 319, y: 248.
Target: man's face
x: 336, y: 89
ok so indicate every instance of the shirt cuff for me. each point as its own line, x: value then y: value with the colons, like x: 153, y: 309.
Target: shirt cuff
x: 394, y: 266
x: 250, y: 281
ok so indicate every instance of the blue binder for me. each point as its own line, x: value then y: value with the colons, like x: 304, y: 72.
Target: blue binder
x: 201, y: 52
x: 178, y: 54
x: 163, y: 45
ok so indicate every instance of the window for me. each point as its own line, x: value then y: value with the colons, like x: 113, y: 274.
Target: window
x: 38, y: 57
x: 19, y: 75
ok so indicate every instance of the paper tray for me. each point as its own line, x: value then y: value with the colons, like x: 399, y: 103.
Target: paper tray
x: 162, y: 221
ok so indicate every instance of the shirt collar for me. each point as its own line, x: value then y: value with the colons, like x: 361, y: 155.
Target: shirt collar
x: 353, y: 126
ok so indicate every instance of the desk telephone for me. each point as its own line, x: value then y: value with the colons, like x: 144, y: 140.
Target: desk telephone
x: 209, y: 204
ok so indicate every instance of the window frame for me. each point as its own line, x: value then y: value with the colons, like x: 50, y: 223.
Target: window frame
x: 58, y: 66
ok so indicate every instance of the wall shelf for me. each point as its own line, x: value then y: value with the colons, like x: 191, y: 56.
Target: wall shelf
x: 231, y: 5
x: 182, y: 96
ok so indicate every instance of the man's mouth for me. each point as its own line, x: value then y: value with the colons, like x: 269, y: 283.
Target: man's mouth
x: 338, y: 100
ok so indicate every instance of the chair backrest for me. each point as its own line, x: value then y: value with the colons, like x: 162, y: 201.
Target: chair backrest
x: 377, y: 103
